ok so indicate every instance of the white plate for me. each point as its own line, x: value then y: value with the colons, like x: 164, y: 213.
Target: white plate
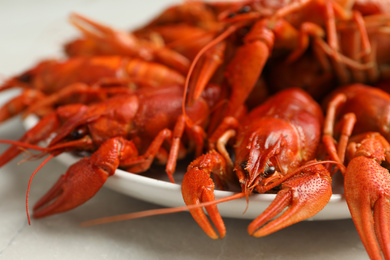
x: 156, y: 188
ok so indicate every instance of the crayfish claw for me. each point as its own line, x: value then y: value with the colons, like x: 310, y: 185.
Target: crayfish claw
x: 80, y: 183
x: 367, y: 192
x: 281, y: 201
x: 198, y: 187
x: 382, y: 227
x: 85, y: 178
x: 304, y: 196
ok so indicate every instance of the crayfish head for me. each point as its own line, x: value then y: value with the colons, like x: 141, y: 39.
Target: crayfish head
x: 31, y: 78
x: 266, y: 155
x: 267, y: 175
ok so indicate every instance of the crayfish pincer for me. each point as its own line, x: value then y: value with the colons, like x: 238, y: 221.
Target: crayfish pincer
x: 358, y: 117
x: 275, y: 147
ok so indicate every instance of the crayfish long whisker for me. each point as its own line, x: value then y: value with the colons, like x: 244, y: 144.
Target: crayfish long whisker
x: 24, y: 145
x: 29, y: 184
x: 29, y: 155
x: 154, y: 212
x: 86, y: 140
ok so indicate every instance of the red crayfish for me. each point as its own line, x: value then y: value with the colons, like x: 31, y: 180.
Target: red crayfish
x: 51, y: 76
x: 363, y: 136
x: 217, y: 78
x: 276, y: 143
x: 126, y: 131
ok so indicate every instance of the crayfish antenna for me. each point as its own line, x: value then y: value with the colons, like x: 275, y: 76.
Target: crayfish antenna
x: 16, y: 148
x: 155, y: 212
x: 39, y: 132
x: 24, y: 145
x: 29, y: 184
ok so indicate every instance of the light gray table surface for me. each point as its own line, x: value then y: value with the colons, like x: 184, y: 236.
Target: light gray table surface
x: 34, y: 30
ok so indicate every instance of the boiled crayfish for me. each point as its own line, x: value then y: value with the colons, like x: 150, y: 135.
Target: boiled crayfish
x: 217, y: 78
x: 281, y: 32
x: 363, y: 134
x: 275, y: 143
x: 51, y: 76
x: 126, y: 131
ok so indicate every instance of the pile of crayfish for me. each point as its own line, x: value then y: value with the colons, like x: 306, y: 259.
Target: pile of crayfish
x: 268, y: 96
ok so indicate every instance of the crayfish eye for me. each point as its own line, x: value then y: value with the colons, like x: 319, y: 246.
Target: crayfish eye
x: 231, y: 15
x: 269, y: 170
x: 243, y: 10
x: 25, y: 78
x: 243, y: 166
x: 78, y: 133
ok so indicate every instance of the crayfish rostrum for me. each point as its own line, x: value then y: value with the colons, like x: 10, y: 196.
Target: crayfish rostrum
x: 236, y: 85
